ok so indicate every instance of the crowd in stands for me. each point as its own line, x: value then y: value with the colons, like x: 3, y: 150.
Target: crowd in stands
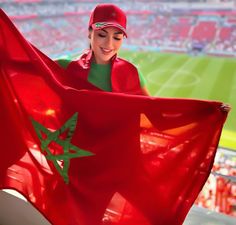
x: 60, y: 26
x: 219, y: 192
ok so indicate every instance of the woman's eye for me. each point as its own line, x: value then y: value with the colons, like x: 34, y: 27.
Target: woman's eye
x: 116, y: 38
x: 102, y: 35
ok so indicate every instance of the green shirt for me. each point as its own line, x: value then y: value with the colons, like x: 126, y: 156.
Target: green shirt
x: 99, y: 74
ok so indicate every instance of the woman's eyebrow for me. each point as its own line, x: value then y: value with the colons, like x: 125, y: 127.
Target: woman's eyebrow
x: 104, y: 30
x: 118, y: 32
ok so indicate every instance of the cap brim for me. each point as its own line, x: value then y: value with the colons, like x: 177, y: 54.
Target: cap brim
x: 99, y: 26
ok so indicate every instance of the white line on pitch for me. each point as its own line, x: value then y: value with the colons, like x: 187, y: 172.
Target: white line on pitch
x: 172, y: 78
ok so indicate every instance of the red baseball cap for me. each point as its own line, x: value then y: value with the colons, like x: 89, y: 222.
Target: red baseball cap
x: 108, y: 15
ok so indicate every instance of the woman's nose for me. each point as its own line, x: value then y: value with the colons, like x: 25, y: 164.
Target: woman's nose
x: 109, y: 42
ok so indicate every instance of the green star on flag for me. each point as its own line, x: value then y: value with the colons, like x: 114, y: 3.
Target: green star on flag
x: 69, y: 150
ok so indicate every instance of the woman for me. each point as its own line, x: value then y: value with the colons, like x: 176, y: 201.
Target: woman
x: 99, y: 66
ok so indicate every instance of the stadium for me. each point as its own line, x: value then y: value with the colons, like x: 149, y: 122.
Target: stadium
x: 185, y: 49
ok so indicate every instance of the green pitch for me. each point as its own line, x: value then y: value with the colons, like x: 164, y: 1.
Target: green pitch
x: 184, y: 76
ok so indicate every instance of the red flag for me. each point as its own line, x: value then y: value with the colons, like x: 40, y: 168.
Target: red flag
x: 69, y: 152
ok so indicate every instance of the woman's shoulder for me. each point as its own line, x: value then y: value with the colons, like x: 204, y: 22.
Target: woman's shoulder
x: 63, y: 62
x: 126, y: 62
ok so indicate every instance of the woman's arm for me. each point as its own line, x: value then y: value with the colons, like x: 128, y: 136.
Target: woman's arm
x: 145, y: 91
x: 143, y: 85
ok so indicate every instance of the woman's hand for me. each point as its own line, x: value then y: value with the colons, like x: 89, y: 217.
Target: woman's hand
x: 225, y: 107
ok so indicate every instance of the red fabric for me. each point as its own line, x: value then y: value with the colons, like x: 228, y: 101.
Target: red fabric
x: 124, y: 78
x: 179, y: 138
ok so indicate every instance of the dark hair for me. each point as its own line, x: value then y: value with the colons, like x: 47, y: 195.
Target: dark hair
x: 90, y: 29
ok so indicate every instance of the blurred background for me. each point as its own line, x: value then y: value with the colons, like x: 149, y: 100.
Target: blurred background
x: 183, y: 48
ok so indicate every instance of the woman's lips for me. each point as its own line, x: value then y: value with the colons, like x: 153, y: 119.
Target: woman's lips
x: 106, y: 51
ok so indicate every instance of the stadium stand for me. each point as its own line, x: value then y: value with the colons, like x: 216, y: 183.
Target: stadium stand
x: 151, y: 26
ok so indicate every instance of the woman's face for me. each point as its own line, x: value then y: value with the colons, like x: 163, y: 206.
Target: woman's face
x: 105, y: 43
